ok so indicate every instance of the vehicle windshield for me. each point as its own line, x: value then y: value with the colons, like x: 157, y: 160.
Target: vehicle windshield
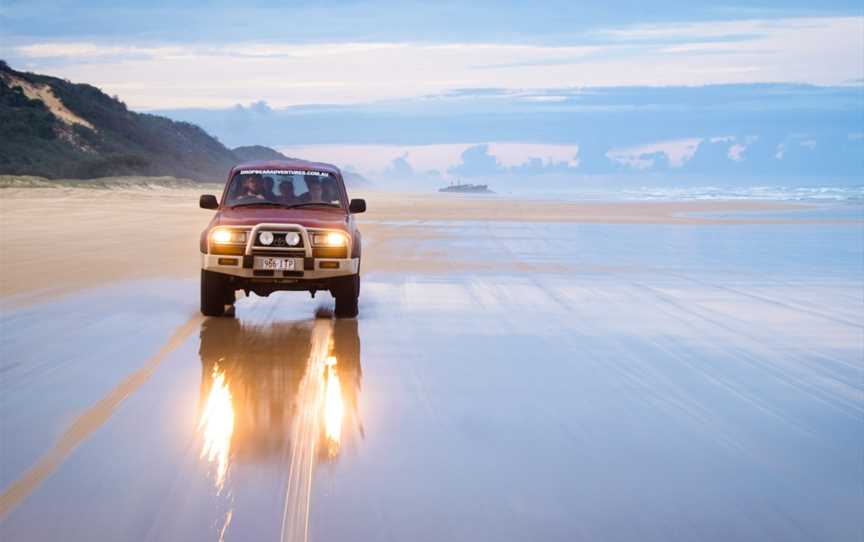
x: 283, y: 188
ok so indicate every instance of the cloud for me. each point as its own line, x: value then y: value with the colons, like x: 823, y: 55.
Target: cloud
x: 751, y: 154
x: 545, y: 98
x: 376, y: 160
x: 792, y: 143
x: 400, y: 168
x: 255, y: 109
x: 538, y: 166
x: 513, y: 154
x: 619, y: 118
x: 736, y: 152
x: 779, y: 157
x: 427, y: 161
x: 552, y: 22
x: 655, y: 161
x: 662, y: 154
x: 740, y: 130
x: 178, y: 74
x: 713, y: 154
x: 740, y: 33
x: 731, y: 158
x: 477, y: 162
x: 492, y: 159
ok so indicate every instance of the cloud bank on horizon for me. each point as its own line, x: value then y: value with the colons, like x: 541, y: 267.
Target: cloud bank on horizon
x: 482, y: 89
x: 772, y: 133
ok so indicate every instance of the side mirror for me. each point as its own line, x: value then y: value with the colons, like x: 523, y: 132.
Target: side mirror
x: 357, y: 206
x: 208, y: 201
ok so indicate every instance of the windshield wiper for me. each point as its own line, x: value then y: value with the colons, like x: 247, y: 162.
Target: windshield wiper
x: 271, y: 203
x: 284, y: 206
x: 310, y: 203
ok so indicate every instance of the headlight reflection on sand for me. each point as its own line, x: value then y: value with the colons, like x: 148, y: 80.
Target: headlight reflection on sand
x: 217, y: 422
x: 281, y: 396
x: 334, y: 408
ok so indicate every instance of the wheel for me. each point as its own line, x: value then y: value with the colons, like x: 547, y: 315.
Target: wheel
x: 346, y: 290
x: 215, y: 294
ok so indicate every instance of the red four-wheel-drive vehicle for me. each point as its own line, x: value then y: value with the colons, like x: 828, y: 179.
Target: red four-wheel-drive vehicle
x: 281, y: 225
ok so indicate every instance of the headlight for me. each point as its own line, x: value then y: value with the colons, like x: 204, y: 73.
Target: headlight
x: 228, y: 237
x: 292, y: 239
x: 266, y: 238
x: 332, y: 239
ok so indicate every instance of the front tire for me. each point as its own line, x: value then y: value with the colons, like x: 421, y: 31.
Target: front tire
x: 346, y: 290
x: 215, y: 293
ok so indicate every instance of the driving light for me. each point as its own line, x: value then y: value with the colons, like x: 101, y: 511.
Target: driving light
x: 225, y: 237
x: 266, y: 238
x: 292, y: 239
x: 331, y: 239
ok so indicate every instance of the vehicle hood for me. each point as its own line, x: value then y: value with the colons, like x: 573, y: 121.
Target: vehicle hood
x: 309, y: 218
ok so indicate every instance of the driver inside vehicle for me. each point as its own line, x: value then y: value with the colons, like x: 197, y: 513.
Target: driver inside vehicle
x: 251, y: 188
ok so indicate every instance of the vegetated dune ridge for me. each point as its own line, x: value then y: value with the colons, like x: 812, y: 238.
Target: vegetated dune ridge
x: 54, y: 128
x: 59, y: 237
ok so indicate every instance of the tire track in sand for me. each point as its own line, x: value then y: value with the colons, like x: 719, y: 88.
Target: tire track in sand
x: 304, y: 437
x: 89, y: 422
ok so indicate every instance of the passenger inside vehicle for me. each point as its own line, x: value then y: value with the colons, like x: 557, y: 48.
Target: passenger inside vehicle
x: 267, y: 183
x: 329, y: 193
x: 314, y: 193
x: 286, y: 192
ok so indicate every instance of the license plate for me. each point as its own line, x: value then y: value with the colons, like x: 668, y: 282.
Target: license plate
x: 276, y: 264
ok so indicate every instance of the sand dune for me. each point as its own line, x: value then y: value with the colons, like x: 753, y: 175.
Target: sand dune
x: 52, y: 102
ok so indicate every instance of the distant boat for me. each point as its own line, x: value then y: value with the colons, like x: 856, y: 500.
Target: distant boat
x: 467, y: 188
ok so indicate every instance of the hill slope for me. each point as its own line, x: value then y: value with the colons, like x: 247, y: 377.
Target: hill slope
x: 257, y: 152
x: 52, y: 128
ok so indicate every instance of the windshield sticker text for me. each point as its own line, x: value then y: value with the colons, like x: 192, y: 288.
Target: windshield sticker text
x: 283, y: 172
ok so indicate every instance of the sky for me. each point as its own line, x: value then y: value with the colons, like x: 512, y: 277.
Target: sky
x: 480, y: 89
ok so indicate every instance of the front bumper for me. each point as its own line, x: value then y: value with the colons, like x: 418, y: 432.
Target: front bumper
x: 304, y: 268
x: 307, y: 267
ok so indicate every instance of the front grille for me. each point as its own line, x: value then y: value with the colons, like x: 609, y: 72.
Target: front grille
x: 279, y: 241
x: 279, y: 253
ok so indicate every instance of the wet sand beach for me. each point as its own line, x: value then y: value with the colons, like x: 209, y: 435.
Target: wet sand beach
x: 520, y: 370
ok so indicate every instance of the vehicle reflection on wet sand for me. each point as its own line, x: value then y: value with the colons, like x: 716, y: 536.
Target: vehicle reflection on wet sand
x: 281, y: 393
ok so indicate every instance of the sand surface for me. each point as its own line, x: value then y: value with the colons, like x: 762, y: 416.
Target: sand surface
x: 518, y: 371
x: 57, y: 240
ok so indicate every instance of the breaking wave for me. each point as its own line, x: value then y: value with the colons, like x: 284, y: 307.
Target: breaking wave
x: 774, y: 193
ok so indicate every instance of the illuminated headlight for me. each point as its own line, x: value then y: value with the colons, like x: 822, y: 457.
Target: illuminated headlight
x: 266, y: 238
x: 292, y: 239
x: 332, y: 239
x: 228, y: 237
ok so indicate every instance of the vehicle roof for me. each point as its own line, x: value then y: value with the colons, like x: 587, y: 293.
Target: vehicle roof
x: 294, y: 163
